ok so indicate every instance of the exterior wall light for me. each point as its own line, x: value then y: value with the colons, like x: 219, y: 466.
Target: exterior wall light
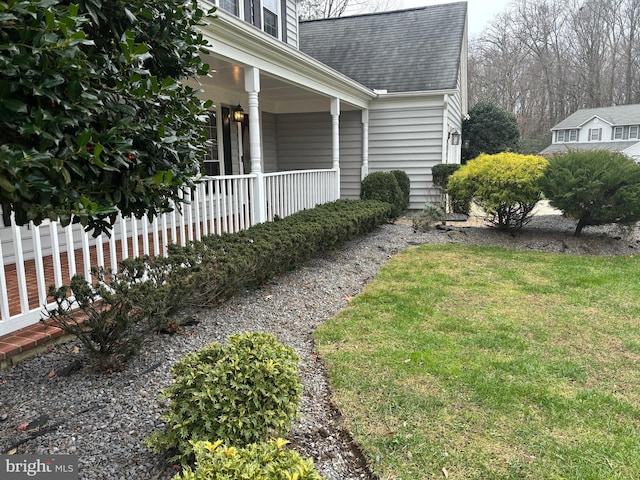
x: 238, y: 114
x: 455, y: 137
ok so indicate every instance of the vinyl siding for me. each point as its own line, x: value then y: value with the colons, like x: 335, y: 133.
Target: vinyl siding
x: 408, y: 139
x: 269, y: 143
x: 291, y: 20
x: 350, y: 154
x: 304, y: 141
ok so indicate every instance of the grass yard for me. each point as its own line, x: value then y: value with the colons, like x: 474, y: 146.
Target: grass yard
x: 486, y: 363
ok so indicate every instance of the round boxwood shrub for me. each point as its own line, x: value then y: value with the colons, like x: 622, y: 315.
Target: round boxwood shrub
x: 258, y: 461
x: 384, y: 187
x: 404, y: 182
x: 241, y: 393
x: 506, y: 185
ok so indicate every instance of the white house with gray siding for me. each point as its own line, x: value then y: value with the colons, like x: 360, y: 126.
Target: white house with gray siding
x: 615, y: 128
x: 395, y: 83
x: 302, y: 111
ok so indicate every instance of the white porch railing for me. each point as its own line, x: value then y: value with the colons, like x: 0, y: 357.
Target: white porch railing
x: 34, y: 257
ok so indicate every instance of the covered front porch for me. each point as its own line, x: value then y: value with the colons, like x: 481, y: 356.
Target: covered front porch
x: 299, y: 139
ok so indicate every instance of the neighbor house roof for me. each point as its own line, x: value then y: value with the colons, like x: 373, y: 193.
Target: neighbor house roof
x: 618, y: 115
x: 569, y: 147
x: 412, y: 50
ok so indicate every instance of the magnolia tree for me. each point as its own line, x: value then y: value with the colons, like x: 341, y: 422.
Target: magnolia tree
x: 93, y: 116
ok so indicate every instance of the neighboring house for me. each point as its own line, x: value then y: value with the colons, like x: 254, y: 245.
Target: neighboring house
x: 607, y: 128
x: 302, y: 112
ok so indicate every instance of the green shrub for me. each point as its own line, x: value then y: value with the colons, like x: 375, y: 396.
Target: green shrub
x: 258, y: 461
x: 243, y: 392
x: 594, y: 187
x: 423, y: 220
x: 105, y: 316
x: 404, y: 182
x: 441, y: 173
x: 384, y: 187
x: 506, y: 185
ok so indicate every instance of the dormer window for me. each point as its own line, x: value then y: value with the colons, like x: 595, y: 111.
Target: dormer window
x: 270, y: 17
x: 595, y: 134
x: 633, y: 131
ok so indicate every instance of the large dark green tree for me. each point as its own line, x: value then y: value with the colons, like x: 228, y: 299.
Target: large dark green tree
x: 489, y: 129
x: 93, y: 115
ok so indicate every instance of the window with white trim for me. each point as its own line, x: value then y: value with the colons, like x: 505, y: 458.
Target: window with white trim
x: 231, y: 6
x: 573, y: 135
x: 270, y: 17
x: 595, y: 134
x: 211, y: 162
x: 560, y: 136
x: 634, y: 130
x: 617, y: 133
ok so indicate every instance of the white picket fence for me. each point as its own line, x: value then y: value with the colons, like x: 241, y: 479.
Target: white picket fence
x: 34, y: 257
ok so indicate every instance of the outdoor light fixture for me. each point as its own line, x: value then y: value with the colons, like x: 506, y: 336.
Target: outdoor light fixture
x: 455, y: 137
x: 238, y: 114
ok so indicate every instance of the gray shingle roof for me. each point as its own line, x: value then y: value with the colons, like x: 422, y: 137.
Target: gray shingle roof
x: 402, y: 51
x: 568, y: 147
x: 618, y: 115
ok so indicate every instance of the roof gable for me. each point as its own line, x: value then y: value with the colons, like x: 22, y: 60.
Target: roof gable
x: 618, y: 115
x: 412, y: 50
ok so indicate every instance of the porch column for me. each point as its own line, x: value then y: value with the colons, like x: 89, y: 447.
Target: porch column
x: 252, y: 87
x: 335, y: 136
x: 365, y: 144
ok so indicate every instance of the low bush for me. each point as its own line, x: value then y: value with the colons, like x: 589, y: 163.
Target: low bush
x: 241, y: 393
x: 506, y: 185
x: 104, y: 315
x: 404, y: 182
x: 441, y: 173
x: 594, y: 187
x: 258, y: 461
x: 383, y: 186
x: 423, y: 220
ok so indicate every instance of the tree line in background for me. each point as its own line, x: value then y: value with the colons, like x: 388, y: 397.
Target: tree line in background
x: 544, y: 59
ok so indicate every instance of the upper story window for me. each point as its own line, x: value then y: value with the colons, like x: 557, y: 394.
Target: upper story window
x: 270, y: 17
x: 618, y: 133
x: 231, y: 6
x: 634, y: 131
x: 595, y: 134
x: 567, y: 135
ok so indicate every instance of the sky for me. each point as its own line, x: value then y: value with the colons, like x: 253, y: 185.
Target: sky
x: 480, y: 12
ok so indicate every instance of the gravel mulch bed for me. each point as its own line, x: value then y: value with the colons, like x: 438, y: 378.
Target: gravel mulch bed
x: 104, y: 418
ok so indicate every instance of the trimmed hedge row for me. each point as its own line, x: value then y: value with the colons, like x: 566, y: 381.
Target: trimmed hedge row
x: 201, y: 273
x: 249, y: 258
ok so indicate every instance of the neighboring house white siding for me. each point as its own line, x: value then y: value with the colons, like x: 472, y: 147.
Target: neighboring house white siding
x: 407, y: 138
x: 291, y: 18
x: 269, y: 143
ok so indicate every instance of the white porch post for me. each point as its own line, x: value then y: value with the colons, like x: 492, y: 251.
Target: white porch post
x: 365, y: 144
x: 252, y: 86
x: 335, y: 136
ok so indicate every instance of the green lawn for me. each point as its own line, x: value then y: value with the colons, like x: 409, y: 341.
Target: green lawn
x: 487, y: 363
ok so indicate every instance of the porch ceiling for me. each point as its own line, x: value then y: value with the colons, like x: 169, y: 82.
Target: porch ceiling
x: 277, y: 95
